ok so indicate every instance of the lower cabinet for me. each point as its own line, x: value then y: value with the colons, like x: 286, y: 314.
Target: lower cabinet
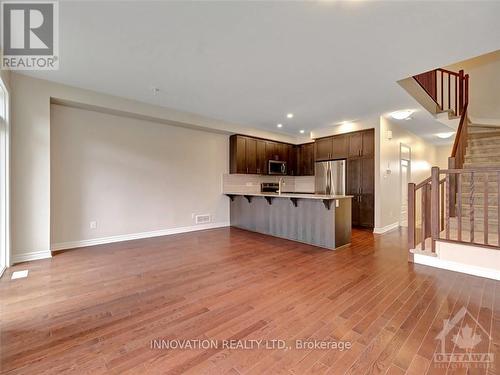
x: 360, y: 184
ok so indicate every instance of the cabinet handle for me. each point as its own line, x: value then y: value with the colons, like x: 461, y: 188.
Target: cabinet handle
x: 247, y: 169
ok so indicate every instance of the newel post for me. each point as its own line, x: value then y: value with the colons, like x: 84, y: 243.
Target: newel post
x: 460, y: 91
x: 411, y: 218
x: 434, y: 206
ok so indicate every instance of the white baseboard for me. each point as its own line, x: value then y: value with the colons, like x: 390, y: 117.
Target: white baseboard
x: 135, y: 236
x: 387, y: 228
x: 35, y: 255
x: 457, y: 267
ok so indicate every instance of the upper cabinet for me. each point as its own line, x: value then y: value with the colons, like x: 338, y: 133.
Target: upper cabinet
x: 261, y: 157
x: 305, y: 159
x: 361, y: 143
x: 323, y: 148
x: 251, y: 155
x: 340, y: 147
x: 330, y: 148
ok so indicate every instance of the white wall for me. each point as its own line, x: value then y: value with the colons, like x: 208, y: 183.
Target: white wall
x: 131, y: 175
x: 442, y: 155
x: 484, y: 85
x: 30, y: 174
x: 423, y: 158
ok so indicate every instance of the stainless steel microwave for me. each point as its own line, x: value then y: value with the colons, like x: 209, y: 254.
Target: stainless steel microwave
x: 276, y: 167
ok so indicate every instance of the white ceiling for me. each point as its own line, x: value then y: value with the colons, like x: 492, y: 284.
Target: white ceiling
x: 252, y: 62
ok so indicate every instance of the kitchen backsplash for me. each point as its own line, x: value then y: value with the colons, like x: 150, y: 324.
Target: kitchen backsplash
x: 247, y: 183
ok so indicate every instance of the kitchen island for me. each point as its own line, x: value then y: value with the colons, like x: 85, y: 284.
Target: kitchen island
x: 315, y: 219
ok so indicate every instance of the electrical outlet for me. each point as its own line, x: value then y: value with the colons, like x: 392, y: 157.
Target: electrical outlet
x: 93, y: 224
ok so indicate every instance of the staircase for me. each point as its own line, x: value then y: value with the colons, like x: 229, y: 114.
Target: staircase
x: 483, y: 151
x: 453, y: 216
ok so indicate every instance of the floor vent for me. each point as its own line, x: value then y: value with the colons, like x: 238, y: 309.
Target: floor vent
x: 19, y: 274
x: 202, y: 219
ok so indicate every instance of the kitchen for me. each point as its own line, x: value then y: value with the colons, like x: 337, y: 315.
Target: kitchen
x: 312, y: 193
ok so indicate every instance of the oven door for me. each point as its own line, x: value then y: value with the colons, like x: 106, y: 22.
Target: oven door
x: 277, y: 167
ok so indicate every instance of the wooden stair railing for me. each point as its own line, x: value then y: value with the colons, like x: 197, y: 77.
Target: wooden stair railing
x: 436, y: 215
x: 449, y: 90
x: 422, y: 193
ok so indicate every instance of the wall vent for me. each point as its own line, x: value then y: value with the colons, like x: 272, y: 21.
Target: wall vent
x: 202, y: 219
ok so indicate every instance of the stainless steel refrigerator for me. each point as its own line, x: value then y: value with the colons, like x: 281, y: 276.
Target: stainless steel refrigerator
x: 330, y: 177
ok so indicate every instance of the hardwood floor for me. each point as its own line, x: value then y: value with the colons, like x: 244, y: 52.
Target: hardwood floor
x: 96, y: 310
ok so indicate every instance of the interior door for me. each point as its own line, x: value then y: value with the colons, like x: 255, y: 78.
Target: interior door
x: 403, y: 220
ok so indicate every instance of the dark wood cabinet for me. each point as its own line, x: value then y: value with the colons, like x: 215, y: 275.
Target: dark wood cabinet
x: 331, y: 148
x: 361, y: 143
x: 323, y: 148
x: 251, y: 155
x: 261, y: 157
x: 282, y: 150
x: 292, y: 163
x: 355, y: 144
x: 339, y: 147
x: 368, y: 148
x: 361, y: 178
x: 305, y: 159
x: 271, y: 150
x: 237, y: 155
x: 367, y: 196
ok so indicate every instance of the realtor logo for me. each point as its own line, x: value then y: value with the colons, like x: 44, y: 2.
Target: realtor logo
x: 463, y: 340
x: 30, y: 39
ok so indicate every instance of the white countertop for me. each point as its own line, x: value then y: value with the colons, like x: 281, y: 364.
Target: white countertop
x: 292, y: 195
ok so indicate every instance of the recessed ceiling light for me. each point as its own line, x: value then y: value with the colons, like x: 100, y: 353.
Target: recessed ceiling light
x: 401, y: 115
x: 289, y: 115
x: 302, y: 131
x: 279, y: 125
x: 445, y: 135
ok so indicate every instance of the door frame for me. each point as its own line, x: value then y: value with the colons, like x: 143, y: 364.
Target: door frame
x: 401, y: 158
x: 5, y: 190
